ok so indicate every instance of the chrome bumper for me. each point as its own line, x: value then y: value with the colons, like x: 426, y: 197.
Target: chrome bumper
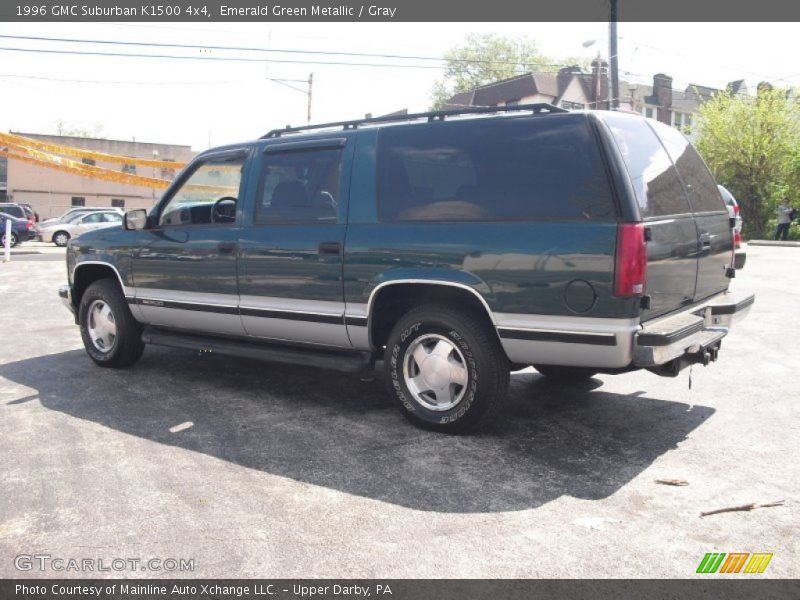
x: 695, y: 333
x: 65, y: 293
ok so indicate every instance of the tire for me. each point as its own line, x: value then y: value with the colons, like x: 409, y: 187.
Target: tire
x: 14, y: 240
x: 124, y: 346
x: 470, y: 346
x: 565, y: 374
x: 60, y: 238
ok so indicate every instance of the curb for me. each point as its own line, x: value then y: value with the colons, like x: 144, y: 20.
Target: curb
x: 786, y: 244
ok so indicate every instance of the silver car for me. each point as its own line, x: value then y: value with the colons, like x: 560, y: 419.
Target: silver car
x: 61, y: 232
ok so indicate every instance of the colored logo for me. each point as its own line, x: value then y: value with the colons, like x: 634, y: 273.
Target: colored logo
x: 734, y: 562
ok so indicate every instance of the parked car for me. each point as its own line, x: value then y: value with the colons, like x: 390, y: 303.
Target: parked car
x: 733, y: 212
x: 22, y: 230
x: 455, y: 249
x: 20, y: 211
x: 61, y: 232
x: 80, y: 209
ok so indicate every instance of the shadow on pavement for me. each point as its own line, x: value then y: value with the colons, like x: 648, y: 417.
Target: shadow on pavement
x: 334, y: 430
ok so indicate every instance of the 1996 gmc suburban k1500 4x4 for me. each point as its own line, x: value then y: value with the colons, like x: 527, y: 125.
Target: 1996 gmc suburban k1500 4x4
x: 456, y: 245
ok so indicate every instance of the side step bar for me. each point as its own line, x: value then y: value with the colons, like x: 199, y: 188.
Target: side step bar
x: 346, y: 361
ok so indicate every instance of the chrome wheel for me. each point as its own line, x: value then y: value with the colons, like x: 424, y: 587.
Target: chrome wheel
x: 102, y: 326
x: 435, y: 372
x: 60, y: 239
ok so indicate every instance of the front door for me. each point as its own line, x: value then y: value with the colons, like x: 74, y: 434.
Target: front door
x: 185, y: 271
x: 290, y: 270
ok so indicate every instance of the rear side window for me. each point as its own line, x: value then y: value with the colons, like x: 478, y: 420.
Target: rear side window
x: 14, y: 211
x: 300, y: 187
x: 703, y: 193
x: 492, y: 170
x: 658, y: 188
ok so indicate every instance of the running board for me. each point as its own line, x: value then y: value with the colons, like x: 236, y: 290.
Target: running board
x: 346, y: 361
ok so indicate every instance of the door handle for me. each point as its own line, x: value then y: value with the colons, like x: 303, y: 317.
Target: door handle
x: 705, y: 240
x: 226, y: 247
x: 330, y: 249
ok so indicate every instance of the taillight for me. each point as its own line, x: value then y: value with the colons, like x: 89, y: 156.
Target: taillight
x: 736, y: 209
x: 630, y: 268
x: 737, y: 239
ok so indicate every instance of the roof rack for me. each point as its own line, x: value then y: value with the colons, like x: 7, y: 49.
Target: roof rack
x: 436, y: 115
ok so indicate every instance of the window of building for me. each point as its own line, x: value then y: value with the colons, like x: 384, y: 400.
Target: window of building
x: 648, y: 112
x: 89, y: 161
x: 203, y: 199
x: 118, y: 202
x: 167, y: 172
x: 300, y: 187
x: 127, y: 168
x: 703, y: 193
x: 572, y: 105
x: 512, y: 102
x: 498, y: 170
x: 659, y: 191
x: 78, y: 201
x: 3, y: 172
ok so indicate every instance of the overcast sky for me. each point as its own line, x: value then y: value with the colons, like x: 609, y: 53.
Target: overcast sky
x: 214, y: 102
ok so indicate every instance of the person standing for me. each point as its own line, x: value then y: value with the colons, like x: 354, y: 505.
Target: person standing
x: 784, y: 220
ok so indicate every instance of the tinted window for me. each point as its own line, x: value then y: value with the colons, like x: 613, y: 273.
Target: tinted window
x: 703, y: 192
x: 300, y: 186
x: 492, y: 170
x: 209, y: 195
x: 658, y: 188
x: 14, y: 211
x: 93, y: 218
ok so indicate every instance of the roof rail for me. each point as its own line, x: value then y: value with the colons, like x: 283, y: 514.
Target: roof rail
x: 436, y: 115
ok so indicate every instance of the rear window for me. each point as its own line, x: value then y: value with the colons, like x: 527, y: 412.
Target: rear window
x: 703, y: 193
x: 13, y: 210
x: 492, y: 170
x: 658, y: 188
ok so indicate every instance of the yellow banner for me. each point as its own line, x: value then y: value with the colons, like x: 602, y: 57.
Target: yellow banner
x: 12, y: 139
x: 77, y: 168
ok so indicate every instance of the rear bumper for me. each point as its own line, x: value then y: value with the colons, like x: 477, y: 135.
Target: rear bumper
x: 694, y: 335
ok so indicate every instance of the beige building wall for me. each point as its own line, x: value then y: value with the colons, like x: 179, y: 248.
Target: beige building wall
x: 51, y: 192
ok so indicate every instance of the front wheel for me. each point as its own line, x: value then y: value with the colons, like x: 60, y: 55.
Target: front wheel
x: 111, y: 336
x: 12, y: 240
x: 60, y: 238
x: 446, y: 369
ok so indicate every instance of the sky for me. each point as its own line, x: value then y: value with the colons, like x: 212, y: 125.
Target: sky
x: 209, y: 102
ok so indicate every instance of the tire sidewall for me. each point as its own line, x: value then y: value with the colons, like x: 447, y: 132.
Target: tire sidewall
x: 14, y: 239
x: 395, y: 355
x: 95, y: 292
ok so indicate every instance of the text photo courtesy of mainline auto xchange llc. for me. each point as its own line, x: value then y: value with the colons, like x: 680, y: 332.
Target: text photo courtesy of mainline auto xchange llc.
x: 399, y: 301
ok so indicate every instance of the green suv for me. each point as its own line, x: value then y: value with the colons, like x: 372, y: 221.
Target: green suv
x: 456, y: 246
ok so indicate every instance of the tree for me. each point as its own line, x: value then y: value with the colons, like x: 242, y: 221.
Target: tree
x: 64, y: 128
x: 485, y: 58
x: 751, y: 145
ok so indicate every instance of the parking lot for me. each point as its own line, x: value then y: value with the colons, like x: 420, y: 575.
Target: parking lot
x: 255, y: 469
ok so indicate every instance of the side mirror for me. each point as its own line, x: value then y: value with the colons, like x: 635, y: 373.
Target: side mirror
x: 135, y: 219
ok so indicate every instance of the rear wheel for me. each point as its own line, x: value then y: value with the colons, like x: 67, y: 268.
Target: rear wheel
x: 446, y: 369
x: 565, y: 374
x: 60, y: 238
x: 111, y: 336
x: 12, y: 240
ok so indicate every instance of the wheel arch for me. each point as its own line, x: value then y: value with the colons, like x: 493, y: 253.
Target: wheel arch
x: 87, y: 272
x: 390, y: 300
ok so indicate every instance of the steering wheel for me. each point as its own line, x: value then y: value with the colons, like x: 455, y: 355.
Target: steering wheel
x: 224, y: 210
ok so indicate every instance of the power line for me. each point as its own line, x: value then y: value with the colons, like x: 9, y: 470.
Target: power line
x: 277, y: 50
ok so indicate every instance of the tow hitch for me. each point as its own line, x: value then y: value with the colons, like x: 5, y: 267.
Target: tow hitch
x: 703, y: 356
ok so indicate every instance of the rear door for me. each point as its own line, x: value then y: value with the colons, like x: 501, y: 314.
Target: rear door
x: 672, y: 247
x: 711, y: 216
x: 290, y: 264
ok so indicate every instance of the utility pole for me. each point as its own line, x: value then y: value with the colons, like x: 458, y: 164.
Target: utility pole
x: 612, y: 54
x: 310, y: 87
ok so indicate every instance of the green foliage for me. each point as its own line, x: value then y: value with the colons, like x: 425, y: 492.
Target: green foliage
x: 752, y: 145
x: 497, y: 57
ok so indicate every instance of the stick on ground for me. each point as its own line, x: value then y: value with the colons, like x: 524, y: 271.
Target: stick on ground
x: 742, y: 508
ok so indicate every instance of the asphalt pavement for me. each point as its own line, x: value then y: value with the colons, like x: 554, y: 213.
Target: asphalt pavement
x: 260, y: 470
